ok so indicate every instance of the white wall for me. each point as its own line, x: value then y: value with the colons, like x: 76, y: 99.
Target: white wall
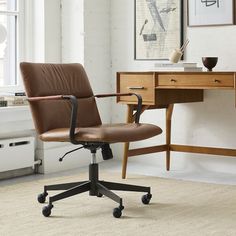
x: 52, y: 14
x: 72, y: 31
x: 211, y: 123
x: 97, y: 58
x: 46, y: 31
x: 86, y: 40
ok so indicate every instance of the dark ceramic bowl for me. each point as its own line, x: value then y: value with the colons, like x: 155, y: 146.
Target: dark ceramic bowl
x: 209, y: 62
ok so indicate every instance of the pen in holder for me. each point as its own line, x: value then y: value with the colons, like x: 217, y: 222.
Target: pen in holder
x: 177, y: 53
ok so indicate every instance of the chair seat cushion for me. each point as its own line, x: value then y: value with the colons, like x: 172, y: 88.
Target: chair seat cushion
x: 110, y: 133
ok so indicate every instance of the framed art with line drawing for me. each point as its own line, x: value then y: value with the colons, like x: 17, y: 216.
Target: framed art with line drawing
x: 158, y: 28
x: 211, y: 12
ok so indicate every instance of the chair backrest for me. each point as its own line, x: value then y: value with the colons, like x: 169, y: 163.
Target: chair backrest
x: 42, y: 79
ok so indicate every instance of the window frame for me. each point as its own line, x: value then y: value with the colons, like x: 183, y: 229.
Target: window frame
x: 20, y: 46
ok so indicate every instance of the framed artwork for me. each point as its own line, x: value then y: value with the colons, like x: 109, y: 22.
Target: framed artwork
x: 158, y: 28
x: 211, y: 12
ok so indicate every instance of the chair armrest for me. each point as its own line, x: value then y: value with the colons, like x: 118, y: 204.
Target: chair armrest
x: 139, y: 97
x: 74, y: 104
x: 55, y: 97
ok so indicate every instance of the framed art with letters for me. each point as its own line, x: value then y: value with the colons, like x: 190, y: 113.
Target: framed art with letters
x: 211, y: 12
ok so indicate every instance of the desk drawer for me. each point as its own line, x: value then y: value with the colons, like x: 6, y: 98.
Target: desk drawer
x: 196, y: 80
x: 143, y: 84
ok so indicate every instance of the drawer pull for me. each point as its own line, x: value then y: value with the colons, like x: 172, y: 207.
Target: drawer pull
x: 173, y: 80
x: 138, y: 87
x: 217, y: 81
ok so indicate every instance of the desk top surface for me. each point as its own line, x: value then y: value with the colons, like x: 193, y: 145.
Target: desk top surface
x: 179, y: 72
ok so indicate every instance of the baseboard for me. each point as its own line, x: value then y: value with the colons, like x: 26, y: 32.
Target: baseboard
x: 16, y: 173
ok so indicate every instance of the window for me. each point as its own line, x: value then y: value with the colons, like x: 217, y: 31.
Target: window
x: 9, y: 19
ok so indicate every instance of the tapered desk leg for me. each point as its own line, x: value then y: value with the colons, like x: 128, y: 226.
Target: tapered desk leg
x: 169, y: 111
x: 129, y: 119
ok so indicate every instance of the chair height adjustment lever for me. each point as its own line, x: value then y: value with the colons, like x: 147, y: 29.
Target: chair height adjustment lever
x: 106, y: 152
x: 61, y: 159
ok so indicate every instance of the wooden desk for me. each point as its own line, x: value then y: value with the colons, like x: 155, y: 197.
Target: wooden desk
x: 163, y: 90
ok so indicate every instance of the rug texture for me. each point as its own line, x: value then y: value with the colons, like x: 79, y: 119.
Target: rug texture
x: 177, y: 208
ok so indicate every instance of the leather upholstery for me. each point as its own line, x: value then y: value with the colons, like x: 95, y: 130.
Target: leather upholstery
x: 110, y: 133
x: 52, y: 117
x: 59, y: 79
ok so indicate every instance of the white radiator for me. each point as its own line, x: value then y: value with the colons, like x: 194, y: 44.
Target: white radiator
x: 16, y: 153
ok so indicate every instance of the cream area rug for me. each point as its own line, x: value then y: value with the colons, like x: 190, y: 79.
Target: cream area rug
x: 177, y: 208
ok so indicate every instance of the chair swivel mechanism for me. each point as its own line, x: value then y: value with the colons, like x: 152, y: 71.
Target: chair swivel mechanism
x: 64, y: 109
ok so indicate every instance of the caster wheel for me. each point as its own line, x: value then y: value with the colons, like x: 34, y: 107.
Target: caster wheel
x: 117, y: 212
x: 146, y: 198
x: 42, y: 197
x: 99, y: 195
x: 47, y: 210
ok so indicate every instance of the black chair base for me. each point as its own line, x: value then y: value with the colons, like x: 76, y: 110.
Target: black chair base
x: 96, y: 188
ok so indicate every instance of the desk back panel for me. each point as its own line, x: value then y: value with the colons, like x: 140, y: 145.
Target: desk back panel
x: 171, y: 96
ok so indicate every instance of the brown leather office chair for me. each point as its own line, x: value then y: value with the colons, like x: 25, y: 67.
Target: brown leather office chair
x: 64, y: 110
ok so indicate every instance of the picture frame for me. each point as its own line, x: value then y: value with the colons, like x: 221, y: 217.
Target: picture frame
x: 158, y: 28
x: 211, y: 12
